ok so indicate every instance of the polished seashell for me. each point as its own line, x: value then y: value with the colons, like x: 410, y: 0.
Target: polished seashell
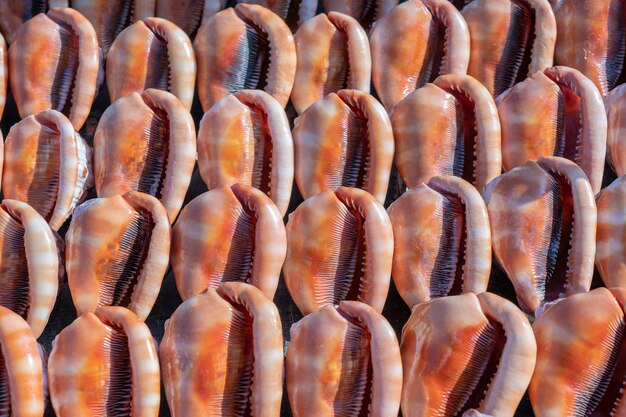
x: 366, y: 12
x: 110, y: 17
x: 442, y: 240
x: 4, y: 74
x: 511, y: 39
x: 615, y: 104
x: 222, y: 354
x: 581, y: 357
x: 590, y: 38
x: 415, y: 43
x: 333, y: 53
x: 339, y: 247
x: 59, y: 64
x: 611, y: 234
x: 15, y: 12
x: 231, y: 233
x: 152, y: 53
x: 556, y: 112
x: 466, y: 355
x: 188, y: 14
x: 47, y: 165
x: 245, y: 138
x: 146, y: 142
x: 293, y: 12
x: 22, y: 371
x: 344, y: 361
x: 543, y: 228
x: 344, y: 139
x: 245, y: 47
x: 448, y: 127
x: 30, y: 264
x: 117, y: 253
x: 105, y: 364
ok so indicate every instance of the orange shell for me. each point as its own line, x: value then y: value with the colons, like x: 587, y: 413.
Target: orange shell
x: 231, y: 233
x: 223, y: 352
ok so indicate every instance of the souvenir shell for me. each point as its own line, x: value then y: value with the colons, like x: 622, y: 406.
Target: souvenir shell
x: 339, y: 247
x: 146, y: 142
x: 543, y: 228
x: 245, y: 138
x: 22, y: 371
x: 466, y: 355
x: 222, y: 354
x: 245, y: 47
x: 346, y: 140
x: 117, y: 252
x: 448, y: 127
x: 442, y: 240
x: 30, y: 264
x: 511, y: 40
x: 59, y: 64
x: 580, y: 356
x: 333, y: 53
x: 231, y: 233
x: 344, y: 360
x: 415, y: 43
x: 110, y: 17
x: 47, y: 165
x: 555, y: 112
x: 152, y: 53
x: 105, y: 363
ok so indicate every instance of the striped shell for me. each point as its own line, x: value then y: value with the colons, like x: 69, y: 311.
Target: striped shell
x: 105, y: 364
x: 117, y: 252
x: 47, y: 165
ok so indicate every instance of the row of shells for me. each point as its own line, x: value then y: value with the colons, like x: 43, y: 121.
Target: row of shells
x: 464, y: 351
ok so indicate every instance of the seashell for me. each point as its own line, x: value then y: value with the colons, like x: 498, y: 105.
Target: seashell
x: 245, y: 138
x: 22, y: 371
x: 47, y: 165
x: 4, y: 75
x: 15, y: 12
x: 556, y: 112
x: 30, y: 264
x: 511, y: 39
x: 344, y: 139
x: 610, y: 233
x: 449, y: 127
x: 415, y: 43
x: 105, y: 364
x: 344, y: 361
x: 333, y: 53
x: 339, y: 247
x: 59, y: 64
x: 231, y: 233
x: 466, y: 355
x: 442, y: 240
x: 245, y: 47
x: 580, y: 356
x: 590, y: 38
x: 152, y: 53
x: 293, y: 12
x: 109, y: 18
x: 146, y: 142
x: 615, y: 104
x: 222, y: 354
x: 543, y: 228
x: 118, y: 252
x: 366, y: 12
x: 188, y: 14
